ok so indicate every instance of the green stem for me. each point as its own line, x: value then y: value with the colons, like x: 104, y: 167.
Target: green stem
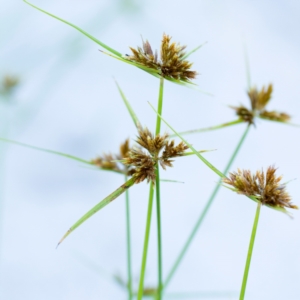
x: 159, y: 106
x: 251, y: 244
x: 129, y: 272
x: 146, y: 242
x: 151, y: 193
x: 159, y: 240
x: 205, y: 210
x: 158, y: 213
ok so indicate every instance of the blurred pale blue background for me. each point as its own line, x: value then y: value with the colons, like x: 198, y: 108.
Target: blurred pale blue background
x: 67, y: 101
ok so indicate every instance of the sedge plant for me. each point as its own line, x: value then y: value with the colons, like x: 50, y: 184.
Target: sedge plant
x: 153, y: 149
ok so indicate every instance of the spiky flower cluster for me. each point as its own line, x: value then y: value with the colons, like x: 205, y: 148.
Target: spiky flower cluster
x: 8, y: 84
x: 259, y: 100
x: 142, y: 164
x: 109, y: 161
x: 171, y: 63
x: 266, y: 188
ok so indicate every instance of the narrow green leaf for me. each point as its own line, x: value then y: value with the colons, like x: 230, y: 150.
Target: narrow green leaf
x: 46, y: 150
x: 99, y: 206
x: 238, y: 121
x: 77, y: 28
x: 192, y: 51
x: 129, y: 108
x: 169, y: 180
x: 200, y: 151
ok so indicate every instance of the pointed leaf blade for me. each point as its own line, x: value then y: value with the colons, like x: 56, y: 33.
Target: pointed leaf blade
x: 47, y: 151
x: 129, y: 108
x: 115, y: 52
x: 192, y: 51
x: 99, y: 206
x: 227, y: 124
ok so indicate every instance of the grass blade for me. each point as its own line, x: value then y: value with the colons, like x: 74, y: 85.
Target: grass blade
x: 99, y: 206
x: 170, y: 180
x: 115, y: 52
x: 200, y: 151
x: 129, y: 108
x: 238, y: 121
x: 192, y: 51
x: 46, y: 150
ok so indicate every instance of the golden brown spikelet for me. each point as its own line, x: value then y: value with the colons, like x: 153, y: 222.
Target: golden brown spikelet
x: 259, y: 99
x: 171, y: 63
x: 143, y: 165
x: 147, y: 140
x: 244, y: 114
x: 108, y: 161
x: 275, y: 116
x: 8, y: 83
x: 265, y: 187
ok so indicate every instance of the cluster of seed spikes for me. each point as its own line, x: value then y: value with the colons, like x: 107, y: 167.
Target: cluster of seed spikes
x: 266, y: 188
x: 171, y: 63
x: 259, y: 100
x: 142, y: 164
x: 113, y: 162
x: 8, y: 84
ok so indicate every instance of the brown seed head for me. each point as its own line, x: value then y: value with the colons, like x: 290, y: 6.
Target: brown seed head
x: 151, y: 143
x: 10, y: 82
x: 108, y: 161
x: 143, y: 165
x: 275, y: 116
x: 124, y: 149
x: 266, y: 188
x: 244, y: 114
x: 259, y: 99
x: 171, y: 63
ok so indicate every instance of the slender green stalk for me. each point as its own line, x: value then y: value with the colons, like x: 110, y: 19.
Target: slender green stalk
x: 159, y: 239
x: 129, y: 272
x: 158, y: 214
x: 146, y: 242
x: 159, y: 105
x: 250, y: 249
x: 204, y: 212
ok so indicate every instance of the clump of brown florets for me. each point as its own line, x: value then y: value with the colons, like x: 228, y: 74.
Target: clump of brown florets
x: 8, y: 84
x: 275, y: 116
x: 171, y: 63
x: 113, y: 162
x: 265, y: 187
x: 259, y: 100
x: 142, y: 164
